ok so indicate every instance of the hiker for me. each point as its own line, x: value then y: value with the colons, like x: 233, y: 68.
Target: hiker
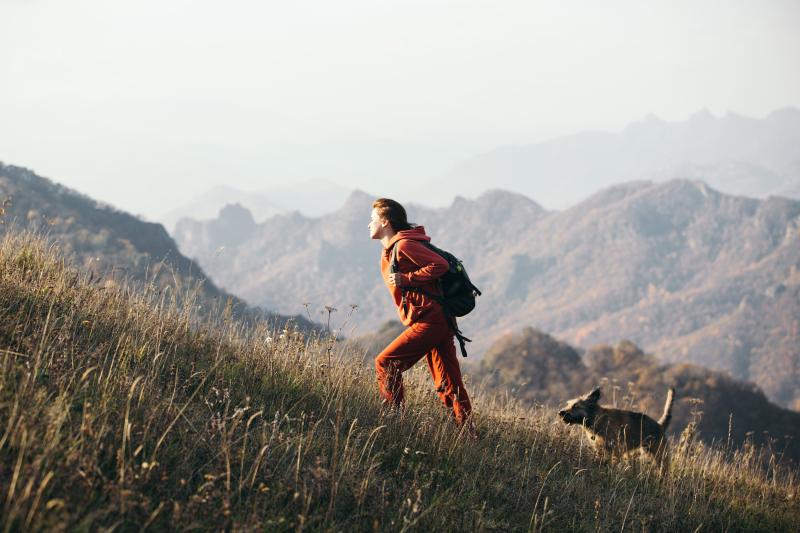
x: 429, y: 332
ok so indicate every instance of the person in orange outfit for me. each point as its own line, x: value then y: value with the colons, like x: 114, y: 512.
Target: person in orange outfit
x: 428, y: 333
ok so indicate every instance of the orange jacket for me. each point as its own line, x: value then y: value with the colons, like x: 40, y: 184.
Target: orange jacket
x: 419, y: 267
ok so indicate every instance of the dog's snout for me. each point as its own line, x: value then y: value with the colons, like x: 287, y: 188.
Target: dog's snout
x: 562, y: 412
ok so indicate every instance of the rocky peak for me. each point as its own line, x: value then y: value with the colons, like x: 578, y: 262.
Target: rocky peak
x: 357, y: 200
x: 508, y: 199
x: 236, y: 217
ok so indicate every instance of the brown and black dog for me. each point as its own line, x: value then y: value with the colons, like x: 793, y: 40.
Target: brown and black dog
x: 617, y: 432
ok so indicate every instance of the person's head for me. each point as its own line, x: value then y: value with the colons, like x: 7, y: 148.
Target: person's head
x: 388, y: 217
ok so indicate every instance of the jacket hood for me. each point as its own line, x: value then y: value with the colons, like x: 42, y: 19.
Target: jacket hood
x: 416, y: 233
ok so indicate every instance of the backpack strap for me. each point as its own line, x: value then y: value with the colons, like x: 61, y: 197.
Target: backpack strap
x: 462, y: 340
x: 394, y: 268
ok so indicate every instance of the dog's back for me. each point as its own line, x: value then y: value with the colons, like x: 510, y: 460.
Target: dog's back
x: 622, y: 431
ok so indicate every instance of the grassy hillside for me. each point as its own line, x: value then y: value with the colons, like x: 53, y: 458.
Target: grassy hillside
x: 120, y: 410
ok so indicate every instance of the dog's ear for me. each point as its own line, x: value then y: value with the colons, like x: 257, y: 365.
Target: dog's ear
x: 594, y: 395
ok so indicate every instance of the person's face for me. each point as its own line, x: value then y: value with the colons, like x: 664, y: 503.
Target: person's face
x: 377, y: 225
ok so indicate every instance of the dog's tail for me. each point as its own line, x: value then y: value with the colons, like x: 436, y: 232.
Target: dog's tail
x: 667, y: 416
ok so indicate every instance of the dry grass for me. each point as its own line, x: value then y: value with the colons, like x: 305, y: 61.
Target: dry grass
x: 120, y: 409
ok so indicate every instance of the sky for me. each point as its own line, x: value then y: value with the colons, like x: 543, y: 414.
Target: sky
x: 147, y: 104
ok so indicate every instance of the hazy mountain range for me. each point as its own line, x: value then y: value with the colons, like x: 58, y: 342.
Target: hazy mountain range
x: 686, y: 272
x: 735, y: 154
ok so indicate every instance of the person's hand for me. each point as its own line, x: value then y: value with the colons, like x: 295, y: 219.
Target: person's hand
x: 394, y: 280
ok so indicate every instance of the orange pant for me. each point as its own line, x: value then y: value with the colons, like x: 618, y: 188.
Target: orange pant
x: 434, y: 341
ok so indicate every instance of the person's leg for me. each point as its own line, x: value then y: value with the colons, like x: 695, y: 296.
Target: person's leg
x: 446, y: 371
x: 436, y: 367
x: 401, y: 354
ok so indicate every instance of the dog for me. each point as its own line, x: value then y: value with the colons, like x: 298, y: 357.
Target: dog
x: 617, y: 432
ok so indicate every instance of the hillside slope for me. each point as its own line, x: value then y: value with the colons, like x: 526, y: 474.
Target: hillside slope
x: 112, y: 244
x: 117, y: 414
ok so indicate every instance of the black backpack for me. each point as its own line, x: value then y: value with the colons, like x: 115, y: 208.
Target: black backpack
x: 458, y: 291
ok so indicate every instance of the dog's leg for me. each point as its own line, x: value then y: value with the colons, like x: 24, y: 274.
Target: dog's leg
x: 660, y: 453
x: 663, y: 455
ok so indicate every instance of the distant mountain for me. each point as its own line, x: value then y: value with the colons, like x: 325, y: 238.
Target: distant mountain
x: 207, y: 205
x: 233, y: 226
x: 690, y: 274
x: 534, y: 367
x: 311, y: 198
x: 735, y: 154
x: 113, y: 244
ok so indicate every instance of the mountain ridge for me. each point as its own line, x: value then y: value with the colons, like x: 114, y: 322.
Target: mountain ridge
x: 740, y: 155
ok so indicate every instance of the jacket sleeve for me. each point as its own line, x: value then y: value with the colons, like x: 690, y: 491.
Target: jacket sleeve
x: 430, y: 264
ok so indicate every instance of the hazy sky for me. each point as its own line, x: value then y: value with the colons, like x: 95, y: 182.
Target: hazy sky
x: 146, y: 103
